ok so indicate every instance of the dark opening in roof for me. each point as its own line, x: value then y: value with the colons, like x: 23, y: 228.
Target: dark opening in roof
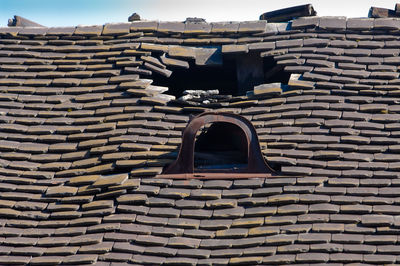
x: 218, y: 77
x: 237, y: 75
x: 220, y: 146
x: 274, y: 72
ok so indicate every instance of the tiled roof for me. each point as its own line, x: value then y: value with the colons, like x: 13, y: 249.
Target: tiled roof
x: 83, y: 133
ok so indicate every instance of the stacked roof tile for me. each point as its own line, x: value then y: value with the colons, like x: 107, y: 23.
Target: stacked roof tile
x: 83, y: 132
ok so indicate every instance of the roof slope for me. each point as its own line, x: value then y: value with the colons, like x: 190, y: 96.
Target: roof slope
x: 83, y: 132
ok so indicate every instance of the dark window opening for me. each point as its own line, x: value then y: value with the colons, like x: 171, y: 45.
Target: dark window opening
x: 221, y: 146
x: 228, y: 146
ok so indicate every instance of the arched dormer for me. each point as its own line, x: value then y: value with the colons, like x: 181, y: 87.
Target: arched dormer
x: 224, y: 127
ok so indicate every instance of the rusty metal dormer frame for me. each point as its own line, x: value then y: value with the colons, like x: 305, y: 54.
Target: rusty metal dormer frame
x: 183, y: 166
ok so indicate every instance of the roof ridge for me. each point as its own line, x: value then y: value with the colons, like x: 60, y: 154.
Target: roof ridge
x: 182, y: 27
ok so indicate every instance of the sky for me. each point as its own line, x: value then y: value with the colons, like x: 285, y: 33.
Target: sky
x: 97, y: 12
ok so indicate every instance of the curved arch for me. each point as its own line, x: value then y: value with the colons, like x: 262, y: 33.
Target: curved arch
x: 184, y: 164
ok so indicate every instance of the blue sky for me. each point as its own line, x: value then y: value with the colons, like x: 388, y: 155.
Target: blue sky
x: 91, y: 12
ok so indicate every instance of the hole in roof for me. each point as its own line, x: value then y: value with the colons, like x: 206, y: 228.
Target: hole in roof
x: 220, y: 145
x: 274, y: 72
x: 216, y: 77
x: 236, y: 75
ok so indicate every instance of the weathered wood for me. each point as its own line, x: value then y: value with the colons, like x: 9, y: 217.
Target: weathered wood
x: 286, y: 14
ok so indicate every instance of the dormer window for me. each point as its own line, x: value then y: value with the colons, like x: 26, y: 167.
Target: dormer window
x: 227, y: 147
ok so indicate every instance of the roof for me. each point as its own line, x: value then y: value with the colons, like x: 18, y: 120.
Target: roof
x: 83, y: 133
